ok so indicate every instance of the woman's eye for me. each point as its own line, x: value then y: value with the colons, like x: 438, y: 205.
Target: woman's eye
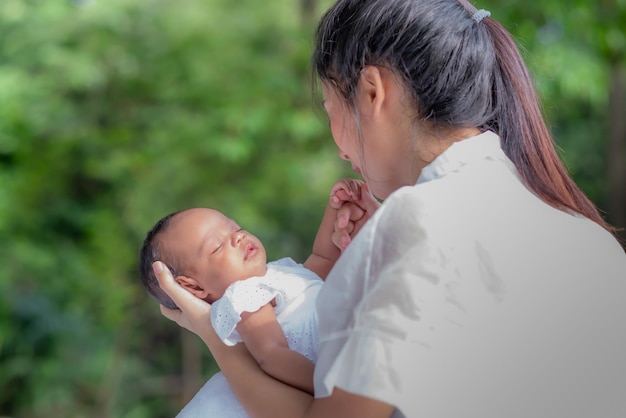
x: 217, y: 249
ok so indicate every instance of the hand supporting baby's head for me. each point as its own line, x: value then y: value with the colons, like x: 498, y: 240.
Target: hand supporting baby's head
x: 151, y: 251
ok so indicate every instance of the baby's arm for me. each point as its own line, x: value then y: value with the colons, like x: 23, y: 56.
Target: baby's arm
x: 264, y: 338
x: 325, y: 253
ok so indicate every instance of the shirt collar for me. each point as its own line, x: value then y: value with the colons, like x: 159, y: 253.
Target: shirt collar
x: 461, y: 153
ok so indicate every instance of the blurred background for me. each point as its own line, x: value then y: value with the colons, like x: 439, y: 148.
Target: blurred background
x: 114, y: 113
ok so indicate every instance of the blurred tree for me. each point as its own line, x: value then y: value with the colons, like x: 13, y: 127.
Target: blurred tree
x: 115, y: 113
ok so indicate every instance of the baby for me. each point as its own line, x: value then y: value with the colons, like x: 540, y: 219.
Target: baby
x: 268, y: 306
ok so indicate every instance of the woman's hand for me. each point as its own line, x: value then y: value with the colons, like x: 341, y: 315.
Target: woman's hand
x: 355, y: 204
x: 192, y: 313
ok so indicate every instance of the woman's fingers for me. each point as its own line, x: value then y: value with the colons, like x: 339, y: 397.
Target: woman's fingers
x: 341, y: 239
x: 171, y: 314
x: 343, y: 217
x: 174, y: 291
x: 341, y: 236
x: 168, y: 284
x: 345, y: 224
x: 163, y: 274
x: 192, y: 313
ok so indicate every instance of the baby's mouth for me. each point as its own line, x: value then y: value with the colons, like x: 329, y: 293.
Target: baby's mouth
x: 250, y: 251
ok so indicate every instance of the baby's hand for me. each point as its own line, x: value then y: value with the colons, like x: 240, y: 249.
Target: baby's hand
x: 355, y: 204
x: 346, y: 190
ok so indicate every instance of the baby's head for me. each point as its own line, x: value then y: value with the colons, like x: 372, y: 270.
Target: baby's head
x: 204, y: 250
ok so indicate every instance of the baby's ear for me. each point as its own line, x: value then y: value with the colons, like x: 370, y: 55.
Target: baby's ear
x: 192, y: 286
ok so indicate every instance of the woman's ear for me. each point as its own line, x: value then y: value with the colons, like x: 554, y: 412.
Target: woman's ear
x: 371, y: 91
x: 192, y: 286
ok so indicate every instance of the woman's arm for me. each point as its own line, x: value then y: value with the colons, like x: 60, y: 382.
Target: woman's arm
x: 260, y: 394
x: 265, y: 340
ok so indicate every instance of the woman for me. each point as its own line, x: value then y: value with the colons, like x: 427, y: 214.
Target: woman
x: 487, y: 284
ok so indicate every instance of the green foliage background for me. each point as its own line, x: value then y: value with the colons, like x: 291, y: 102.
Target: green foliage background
x: 114, y: 113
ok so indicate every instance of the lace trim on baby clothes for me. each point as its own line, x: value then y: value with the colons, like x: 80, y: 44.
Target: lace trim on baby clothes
x: 244, y: 296
x: 283, y: 262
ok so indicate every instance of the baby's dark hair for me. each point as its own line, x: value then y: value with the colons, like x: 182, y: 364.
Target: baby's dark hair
x: 151, y: 252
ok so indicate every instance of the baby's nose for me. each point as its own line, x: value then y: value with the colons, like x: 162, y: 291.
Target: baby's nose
x: 238, y: 237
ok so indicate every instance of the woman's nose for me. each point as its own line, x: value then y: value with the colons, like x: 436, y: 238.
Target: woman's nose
x: 343, y: 156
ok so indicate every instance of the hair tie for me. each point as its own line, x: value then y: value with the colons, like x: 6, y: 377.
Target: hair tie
x: 480, y: 15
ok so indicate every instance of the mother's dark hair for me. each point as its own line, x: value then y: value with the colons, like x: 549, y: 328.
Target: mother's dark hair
x: 460, y: 73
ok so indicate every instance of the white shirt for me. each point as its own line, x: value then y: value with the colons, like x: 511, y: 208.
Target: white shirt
x: 291, y: 286
x: 467, y: 296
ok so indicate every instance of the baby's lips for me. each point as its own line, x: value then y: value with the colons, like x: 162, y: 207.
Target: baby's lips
x: 250, y: 249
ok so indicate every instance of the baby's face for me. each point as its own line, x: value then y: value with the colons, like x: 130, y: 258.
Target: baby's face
x: 214, y: 249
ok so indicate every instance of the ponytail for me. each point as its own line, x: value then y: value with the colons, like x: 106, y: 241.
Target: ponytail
x: 525, y: 137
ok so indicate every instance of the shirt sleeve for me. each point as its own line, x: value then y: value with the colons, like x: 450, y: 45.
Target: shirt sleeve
x: 389, y: 285
x: 243, y: 296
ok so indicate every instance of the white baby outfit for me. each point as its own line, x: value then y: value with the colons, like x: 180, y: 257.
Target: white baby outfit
x: 294, y: 290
